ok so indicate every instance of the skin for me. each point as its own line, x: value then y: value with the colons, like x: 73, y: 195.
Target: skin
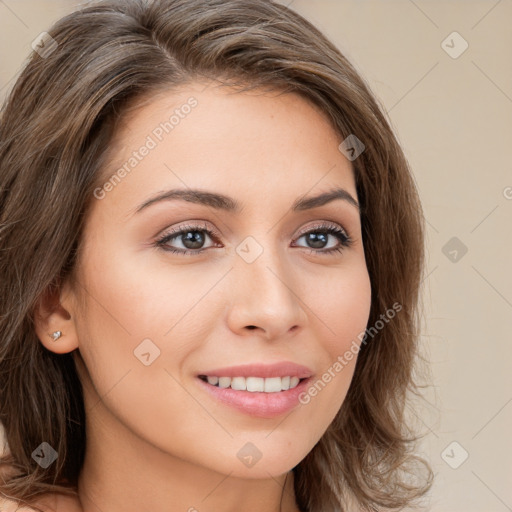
x: 155, y: 440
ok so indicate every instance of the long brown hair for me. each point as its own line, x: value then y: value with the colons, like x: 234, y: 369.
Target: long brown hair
x: 55, y: 129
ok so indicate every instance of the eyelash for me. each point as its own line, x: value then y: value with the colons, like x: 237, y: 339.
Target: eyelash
x: 340, y: 234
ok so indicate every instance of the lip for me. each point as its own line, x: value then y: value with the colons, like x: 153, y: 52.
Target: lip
x: 282, y: 369
x: 258, y: 404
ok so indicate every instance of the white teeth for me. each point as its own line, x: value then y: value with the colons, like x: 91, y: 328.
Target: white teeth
x: 255, y: 384
x: 272, y: 385
x: 238, y: 383
x: 224, y: 382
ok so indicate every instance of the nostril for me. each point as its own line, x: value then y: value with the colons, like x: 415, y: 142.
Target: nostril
x: 251, y: 327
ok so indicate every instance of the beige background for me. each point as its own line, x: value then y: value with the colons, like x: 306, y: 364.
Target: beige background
x: 454, y: 119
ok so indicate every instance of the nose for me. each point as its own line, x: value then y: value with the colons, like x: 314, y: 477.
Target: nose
x: 265, y: 298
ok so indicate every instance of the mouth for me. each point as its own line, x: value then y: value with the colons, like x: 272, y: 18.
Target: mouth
x: 264, y: 395
x: 254, y: 384
x: 263, y: 391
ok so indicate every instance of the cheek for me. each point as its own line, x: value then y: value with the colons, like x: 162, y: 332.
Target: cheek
x: 141, y: 324
x: 140, y: 295
x: 343, y: 309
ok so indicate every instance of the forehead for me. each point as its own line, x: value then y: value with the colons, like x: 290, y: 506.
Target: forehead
x: 220, y: 138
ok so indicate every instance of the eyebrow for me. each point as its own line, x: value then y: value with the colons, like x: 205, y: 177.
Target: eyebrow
x: 228, y: 204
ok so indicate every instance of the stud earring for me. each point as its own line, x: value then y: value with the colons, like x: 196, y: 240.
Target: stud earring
x: 56, y: 335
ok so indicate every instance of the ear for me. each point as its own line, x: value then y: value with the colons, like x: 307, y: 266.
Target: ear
x: 54, y: 312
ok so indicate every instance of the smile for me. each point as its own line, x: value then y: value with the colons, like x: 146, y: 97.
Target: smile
x: 253, y: 384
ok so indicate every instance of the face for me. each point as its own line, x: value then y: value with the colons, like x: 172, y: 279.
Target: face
x: 206, y: 266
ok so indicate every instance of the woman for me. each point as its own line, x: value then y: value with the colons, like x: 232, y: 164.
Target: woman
x: 212, y: 247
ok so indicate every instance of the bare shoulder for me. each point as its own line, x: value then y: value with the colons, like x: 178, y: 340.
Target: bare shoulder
x: 13, y: 506
x: 48, y: 503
